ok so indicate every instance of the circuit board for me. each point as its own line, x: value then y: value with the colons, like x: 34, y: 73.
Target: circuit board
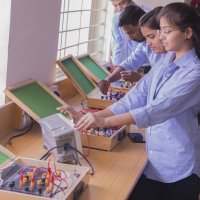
x: 40, y: 181
x: 105, y: 132
x: 111, y: 95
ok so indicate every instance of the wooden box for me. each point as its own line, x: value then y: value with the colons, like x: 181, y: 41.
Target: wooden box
x: 35, y: 99
x: 78, y: 174
x: 86, y: 86
x: 106, y: 143
x: 97, y: 72
x: 92, y: 68
x: 38, y: 101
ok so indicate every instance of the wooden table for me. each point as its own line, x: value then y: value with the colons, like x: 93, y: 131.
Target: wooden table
x: 116, y: 172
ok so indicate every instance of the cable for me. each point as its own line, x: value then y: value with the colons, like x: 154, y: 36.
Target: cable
x: 47, y: 156
x: 44, y: 156
x: 75, y: 157
x: 68, y: 145
x: 29, y: 127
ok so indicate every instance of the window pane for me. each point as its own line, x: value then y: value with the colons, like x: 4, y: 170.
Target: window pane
x: 74, y: 20
x: 72, y: 38
x: 84, y: 34
x: 83, y: 49
x: 62, y: 53
x: 63, y: 39
x: 87, y: 4
x: 75, y: 5
x: 63, y: 22
x: 64, y: 6
x: 85, y: 18
x: 71, y: 50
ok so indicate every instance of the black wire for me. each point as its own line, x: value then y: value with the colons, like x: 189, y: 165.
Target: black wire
x: 56, y: 191
x: 61, y: 190
x: 68, y: 145
x: 44, y: 156
x: 29, y: 127
x: 75, y: 158
x: 47, y: 156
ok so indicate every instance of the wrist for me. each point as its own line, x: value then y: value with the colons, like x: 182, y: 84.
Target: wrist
x: 108, y: 80
x: 106, y: 122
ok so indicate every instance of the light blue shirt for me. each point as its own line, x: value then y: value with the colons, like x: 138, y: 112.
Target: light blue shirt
x: 140, y: 56
x: 167, y: 101
x: 121, y: 45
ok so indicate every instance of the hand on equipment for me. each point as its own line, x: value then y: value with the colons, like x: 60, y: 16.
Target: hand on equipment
x: 90, y: 120
x: 131, y: 76
x: 104, y: 85
x: 75, y: 115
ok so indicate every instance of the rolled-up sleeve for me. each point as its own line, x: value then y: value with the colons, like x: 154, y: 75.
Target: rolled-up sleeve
x: 117, y: 42
x: 183, y: 95
x: 137, y: 58
x: 135, y: 98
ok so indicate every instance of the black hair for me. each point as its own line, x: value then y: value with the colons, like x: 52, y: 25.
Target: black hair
x: 182, y: 15
x: 131, y: 15
x: 150, y: 19
x: 130, y: 1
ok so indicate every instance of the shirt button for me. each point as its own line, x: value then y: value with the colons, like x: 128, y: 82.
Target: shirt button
x: 151, y: 152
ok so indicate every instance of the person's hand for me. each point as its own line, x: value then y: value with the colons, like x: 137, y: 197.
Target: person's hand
x: 131, y: 76
x: 90, y: 120
x: 104, y: 85
x: 75, y: 115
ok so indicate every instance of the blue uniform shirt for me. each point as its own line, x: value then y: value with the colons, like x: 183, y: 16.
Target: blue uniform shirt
x: 140, y: 56
x: 121, y: 45
x: 166, y: 102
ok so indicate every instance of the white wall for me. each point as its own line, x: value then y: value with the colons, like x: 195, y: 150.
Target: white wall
x: 5, y: 7
x: 155, y: 3
x: 33, y: 40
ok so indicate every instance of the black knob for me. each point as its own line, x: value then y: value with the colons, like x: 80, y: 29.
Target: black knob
x: 12, y: 184
x: 39, y: 190
x: 26, y: 189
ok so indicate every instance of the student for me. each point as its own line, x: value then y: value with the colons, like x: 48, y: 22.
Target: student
x: 129, y: 21
x: 166, y: 103
x: 121, y: 45
x: 149, y: 27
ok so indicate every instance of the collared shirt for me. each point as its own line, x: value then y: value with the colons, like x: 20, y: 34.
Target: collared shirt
x: 166, y: 102
x: 141, y: 55
x: 121, y: 45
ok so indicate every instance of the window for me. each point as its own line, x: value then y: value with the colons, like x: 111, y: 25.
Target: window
x: 82, y: 28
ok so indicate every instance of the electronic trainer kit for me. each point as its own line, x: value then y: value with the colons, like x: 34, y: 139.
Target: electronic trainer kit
x: 98, y: 72
x: 87, y: 87
x: 103, y: 138
x: 23, y: 178
x: 40, y: 103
